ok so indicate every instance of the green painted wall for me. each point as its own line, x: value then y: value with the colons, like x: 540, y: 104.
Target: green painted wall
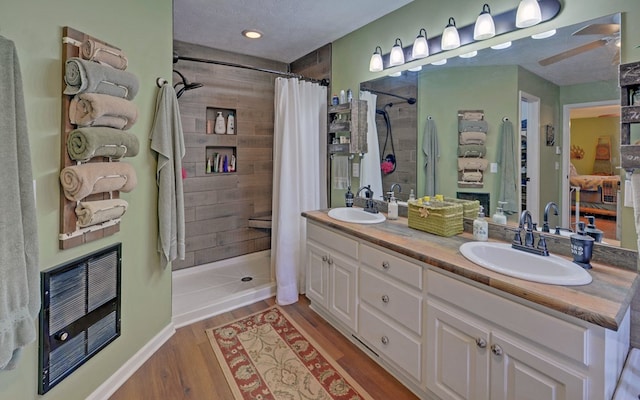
x: 143, y: 28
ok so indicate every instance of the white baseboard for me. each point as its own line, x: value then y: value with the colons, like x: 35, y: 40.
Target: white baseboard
x: 109, y: 387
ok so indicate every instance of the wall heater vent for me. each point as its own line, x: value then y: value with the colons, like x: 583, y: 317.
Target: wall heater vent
x: 80, y: 313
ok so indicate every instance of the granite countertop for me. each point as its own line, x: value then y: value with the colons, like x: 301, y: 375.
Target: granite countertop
x: 603, y: 302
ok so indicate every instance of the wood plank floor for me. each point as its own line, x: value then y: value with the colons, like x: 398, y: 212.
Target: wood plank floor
x: 185, y: 367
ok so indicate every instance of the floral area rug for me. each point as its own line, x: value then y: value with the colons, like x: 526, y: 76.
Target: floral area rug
x: 267, y: 356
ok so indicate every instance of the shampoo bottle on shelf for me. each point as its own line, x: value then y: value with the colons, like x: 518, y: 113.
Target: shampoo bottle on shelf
x: 480, y: 227
x: 392, y: 207
x: 231, y: 124
x: 220, y: 126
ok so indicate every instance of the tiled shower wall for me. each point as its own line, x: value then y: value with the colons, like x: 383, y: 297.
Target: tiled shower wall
x: 218, y: 206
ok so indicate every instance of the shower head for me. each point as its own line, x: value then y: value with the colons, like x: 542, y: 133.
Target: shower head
x: 186, y: 85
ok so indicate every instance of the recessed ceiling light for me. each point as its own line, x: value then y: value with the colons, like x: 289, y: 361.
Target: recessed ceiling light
x: 252, y: 34
x: 396, y: 74
x: 501, y: 46
x: 440, y: 62
x: 544, y: 35
x: 416, y: 69
x: 470, y: 54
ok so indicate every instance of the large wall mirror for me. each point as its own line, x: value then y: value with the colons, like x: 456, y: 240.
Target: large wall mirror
x: 561, y: 95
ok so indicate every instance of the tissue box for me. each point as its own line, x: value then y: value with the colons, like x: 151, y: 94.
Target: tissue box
x: 441, y: 218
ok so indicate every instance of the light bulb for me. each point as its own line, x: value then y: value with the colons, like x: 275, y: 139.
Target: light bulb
x: 397, y: 54
x: 484, y: 28
x: 375, y: 64
x: 420, y: 46
x: 450, y: 37
x: 528, y: 13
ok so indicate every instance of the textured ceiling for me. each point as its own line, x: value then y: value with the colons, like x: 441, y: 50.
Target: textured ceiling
x: 292, y: 28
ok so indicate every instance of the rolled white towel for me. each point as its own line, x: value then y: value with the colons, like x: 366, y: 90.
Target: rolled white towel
x: 96, y: 212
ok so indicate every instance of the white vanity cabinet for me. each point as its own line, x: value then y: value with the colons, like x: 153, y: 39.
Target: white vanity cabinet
x: 390, y: 309
x: 482, y: 346
x: 332, y: 269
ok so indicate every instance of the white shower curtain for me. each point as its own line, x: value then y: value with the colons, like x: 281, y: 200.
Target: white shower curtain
x: 370, y: 173
x: 299, y: 178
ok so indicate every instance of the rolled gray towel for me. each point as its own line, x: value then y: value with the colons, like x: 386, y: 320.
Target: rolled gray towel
x: 96, y: 212
x: 87, y: 76
x: 79, y: 181
x: 472, y: 126
x: 86, y: 143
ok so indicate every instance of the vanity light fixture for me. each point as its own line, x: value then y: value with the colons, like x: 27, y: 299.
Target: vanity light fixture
x: 528, y: 13
x: 470, y: 54
x: 501, y: 46
x: 450, y: 36
x: 544, y: 35
x: 252, y: 34
x: 440, y: 62
x: 420, y: 46
x: 375, y: 64
x: 397, y: 54
x: 484, y: 27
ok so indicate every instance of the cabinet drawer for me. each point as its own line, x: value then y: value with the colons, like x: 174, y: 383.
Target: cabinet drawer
x: 393, y: 266
x: 333, y: 240
x: 403, y: 349
x: 554, y: 333
x: 392, y: 300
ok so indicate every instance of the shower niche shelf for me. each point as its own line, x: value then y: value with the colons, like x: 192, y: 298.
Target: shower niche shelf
x: 212, y: 113
x: 347, y: 132
x: 220, y: 160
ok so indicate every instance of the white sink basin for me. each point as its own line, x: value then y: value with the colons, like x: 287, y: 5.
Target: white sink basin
x: 500, y: 257
x: 356, y: 215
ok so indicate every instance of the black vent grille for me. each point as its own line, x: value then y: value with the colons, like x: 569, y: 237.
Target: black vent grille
x: 80, y: 313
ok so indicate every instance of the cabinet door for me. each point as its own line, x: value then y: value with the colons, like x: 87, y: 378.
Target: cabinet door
x: 523, y: 373
x: 342, y: 289
x: 457, y: 354
x: 317, y: 275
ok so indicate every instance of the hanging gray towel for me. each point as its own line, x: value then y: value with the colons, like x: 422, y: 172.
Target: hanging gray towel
x: 508, y: 172
x: 167, y: 141
x: 19, y: 269
x: 431, y: 155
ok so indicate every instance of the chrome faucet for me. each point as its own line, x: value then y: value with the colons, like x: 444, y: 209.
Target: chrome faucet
x: 529, y: 241
x: 545, y: 226
x: 370, y: 205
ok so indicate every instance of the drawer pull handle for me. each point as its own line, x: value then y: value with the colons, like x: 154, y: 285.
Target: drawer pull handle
x: 325, y: 258
x: 385, y: 298
x: 385, y: 264
x: 384, y: 340
x: 497, y: 350
x: 480, y: 342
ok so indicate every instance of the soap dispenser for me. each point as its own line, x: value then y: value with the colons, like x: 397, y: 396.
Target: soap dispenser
x: 392, y: 207
x: 348, y: 197
x: 499, y: 217
x: 480, y: 227
x: 220, y: 127
x: 592, y: 231
x: 412, y: 196
x: 582, y: 247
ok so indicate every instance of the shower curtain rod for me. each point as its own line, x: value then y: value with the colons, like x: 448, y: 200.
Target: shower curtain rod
x: 409, y: 100
x: 176, y: 58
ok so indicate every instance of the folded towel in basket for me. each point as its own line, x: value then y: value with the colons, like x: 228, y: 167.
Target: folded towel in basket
x: 96, y: 212
x: 87, y: 76
x: 95, y: 109
x: 86, y: 143
x: 472, y: 150
x: 79, y: 181
x: 474, y: 164
x: 472, y: 126
x: 472, y: 137
x: 103, y: 53
x: 472, y: 115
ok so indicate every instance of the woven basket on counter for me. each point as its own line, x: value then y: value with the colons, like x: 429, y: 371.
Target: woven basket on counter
x: 441, y: 218
x: 470, y: 208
